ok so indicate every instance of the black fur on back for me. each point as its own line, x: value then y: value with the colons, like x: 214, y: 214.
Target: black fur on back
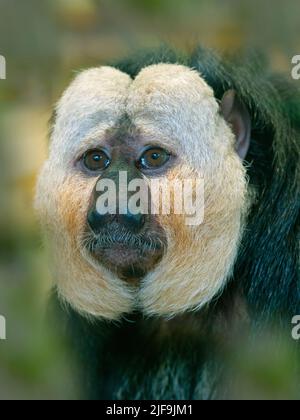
x: 134, y: 359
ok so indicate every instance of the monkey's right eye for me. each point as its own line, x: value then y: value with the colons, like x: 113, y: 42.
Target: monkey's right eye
x: 96, y: 160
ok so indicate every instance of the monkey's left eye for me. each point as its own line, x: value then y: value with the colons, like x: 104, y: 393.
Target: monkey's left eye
x: 96, y: 160
x: 154, y: 158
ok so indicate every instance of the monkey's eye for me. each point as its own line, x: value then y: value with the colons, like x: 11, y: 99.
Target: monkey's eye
x: 96, y: 160
x: 154, y: 158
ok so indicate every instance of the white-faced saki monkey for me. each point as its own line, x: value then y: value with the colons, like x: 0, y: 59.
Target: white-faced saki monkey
x: 152, y: 303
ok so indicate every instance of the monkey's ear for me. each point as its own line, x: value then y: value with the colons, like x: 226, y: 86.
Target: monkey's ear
x: 238, y: 117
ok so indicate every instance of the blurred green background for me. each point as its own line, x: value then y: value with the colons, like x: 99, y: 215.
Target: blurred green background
x: 44, y: 41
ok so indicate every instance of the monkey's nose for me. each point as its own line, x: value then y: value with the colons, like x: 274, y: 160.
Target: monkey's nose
x: 133, y: 222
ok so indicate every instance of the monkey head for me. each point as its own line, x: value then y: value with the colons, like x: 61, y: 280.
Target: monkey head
x: 165, y: 124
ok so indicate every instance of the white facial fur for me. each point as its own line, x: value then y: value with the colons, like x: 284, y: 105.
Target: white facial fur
x: 171, y: 105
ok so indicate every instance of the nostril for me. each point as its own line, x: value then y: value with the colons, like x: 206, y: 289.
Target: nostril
x: 134, y: 222
x: 96, y: 221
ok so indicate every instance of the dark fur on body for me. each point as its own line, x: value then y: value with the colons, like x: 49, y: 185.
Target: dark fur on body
x: 151, y: 358
x: 142, y: 358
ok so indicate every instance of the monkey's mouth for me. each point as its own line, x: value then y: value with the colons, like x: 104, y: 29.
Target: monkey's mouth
x: 129, y: 256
